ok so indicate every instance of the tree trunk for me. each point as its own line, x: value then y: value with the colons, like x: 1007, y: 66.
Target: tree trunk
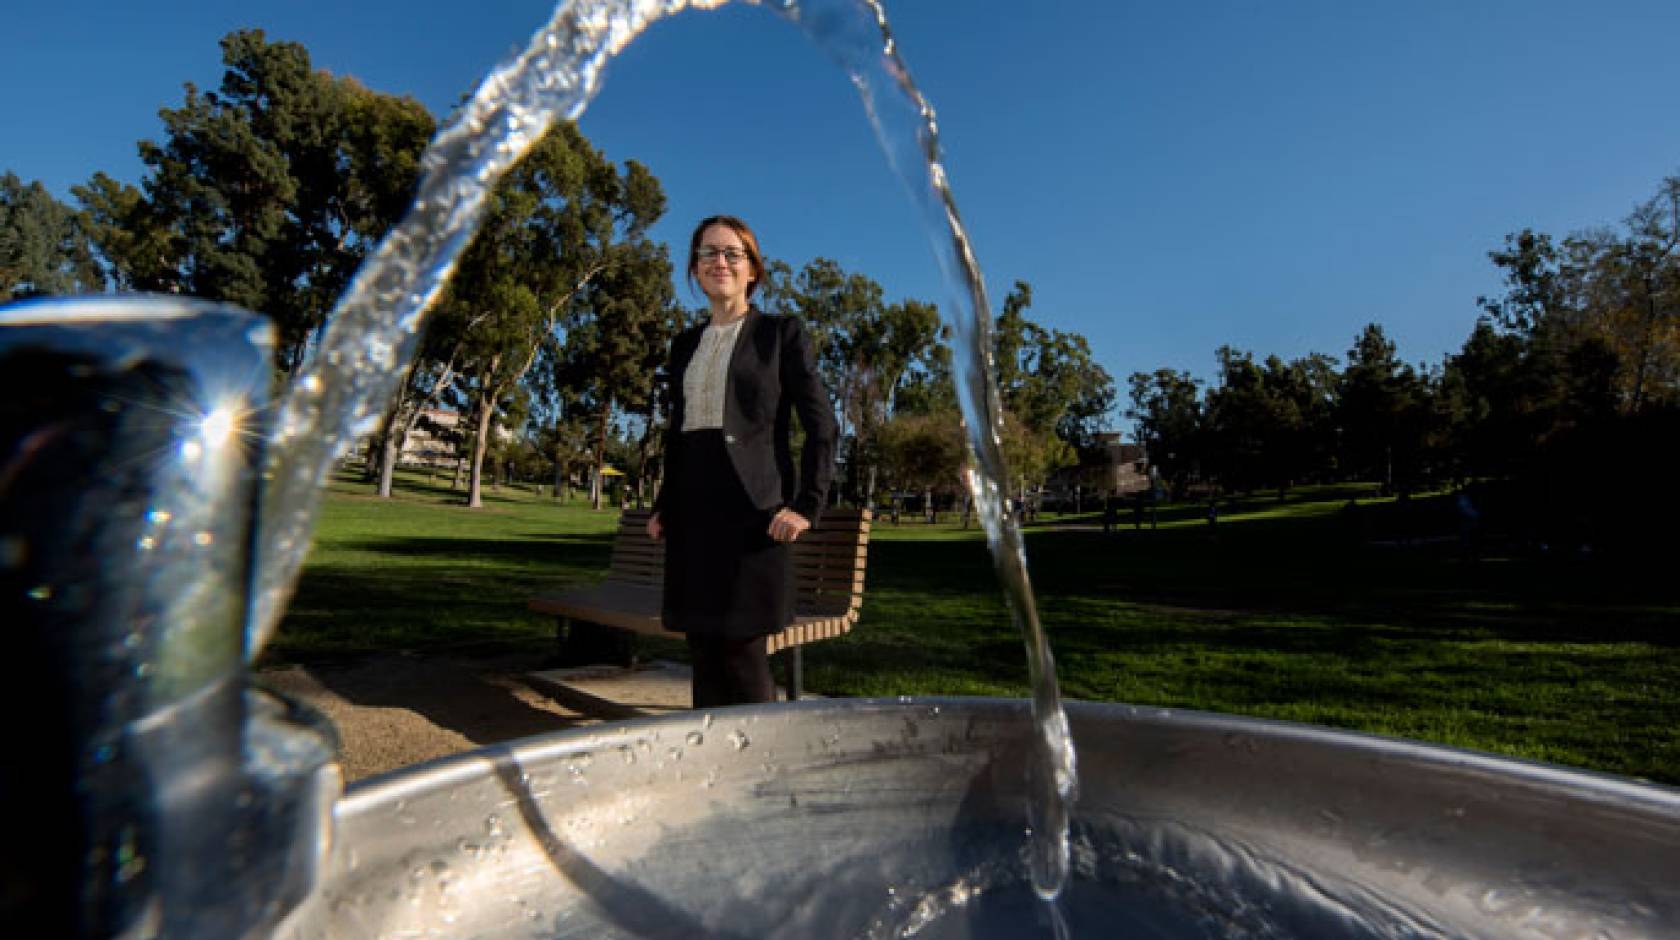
x: 475, y: 486
x: 388, y: 463
x: 595, y: 485
x: 395, y: 435
x: 376, y: 449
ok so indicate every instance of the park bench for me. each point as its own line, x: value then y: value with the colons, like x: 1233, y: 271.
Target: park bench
x: 828, y: 567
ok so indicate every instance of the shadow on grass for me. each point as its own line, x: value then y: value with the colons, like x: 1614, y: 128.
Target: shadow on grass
x: 553, y: 549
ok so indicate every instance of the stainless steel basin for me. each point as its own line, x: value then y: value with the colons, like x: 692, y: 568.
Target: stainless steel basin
x: 889, y: 818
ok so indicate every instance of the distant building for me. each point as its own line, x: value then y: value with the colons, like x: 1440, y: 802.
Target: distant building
x: 430, y: 444
x: 432, y: 441
x: 1116, y: 467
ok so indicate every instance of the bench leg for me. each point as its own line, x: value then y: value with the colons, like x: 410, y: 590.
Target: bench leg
x: 580, y: 643
x: 795, y: 674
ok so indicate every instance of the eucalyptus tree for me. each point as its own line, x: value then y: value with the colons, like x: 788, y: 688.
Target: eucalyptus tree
x: 561, y: 218
x: 843, y: 312
x: 433, y: 375
x: 616, y: 336
x: 1048, y: 377
x: 1639, y: 300
x: 890, y: 345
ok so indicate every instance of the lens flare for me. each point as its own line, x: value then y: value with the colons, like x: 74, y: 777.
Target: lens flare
x: 218, y: 427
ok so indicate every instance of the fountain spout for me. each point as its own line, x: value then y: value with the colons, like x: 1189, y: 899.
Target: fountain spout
x: 156, y: 792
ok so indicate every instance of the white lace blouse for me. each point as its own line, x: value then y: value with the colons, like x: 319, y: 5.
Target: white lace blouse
x: 706, y: 376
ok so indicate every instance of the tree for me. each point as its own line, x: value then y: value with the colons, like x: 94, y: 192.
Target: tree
x: 1489, y: 401
x: 266, y: 193
x: 927, y: 386
x: 557, y: 221
x: 44, y: 247
x: 844, y: 315
x: 616, y: 337
x: 131, y: 235
x: 1382, y: 413
x: 1617, y: 290
x: 922, y: 452
x: 434, y: 374
x: 1031, y: 453
x: 1639, y: 321
x: 1304, y: 390
x: 1048, y: 377
x: 1168, y: 416
x: 888, y: 347
x: 1243, y: 423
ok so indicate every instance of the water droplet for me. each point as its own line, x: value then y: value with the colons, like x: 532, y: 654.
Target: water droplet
x: 695, y: 739
x: 739, y: 740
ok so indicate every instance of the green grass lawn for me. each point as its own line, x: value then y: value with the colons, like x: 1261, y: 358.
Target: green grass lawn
x: 1290, y: 609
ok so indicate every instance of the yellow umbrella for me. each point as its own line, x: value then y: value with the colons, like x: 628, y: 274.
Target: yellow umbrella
x: 611, y: 472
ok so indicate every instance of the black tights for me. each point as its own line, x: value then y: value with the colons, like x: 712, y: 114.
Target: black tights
x: 730, y: 671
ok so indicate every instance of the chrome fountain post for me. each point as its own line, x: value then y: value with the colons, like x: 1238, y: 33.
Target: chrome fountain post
x: 154, y: 791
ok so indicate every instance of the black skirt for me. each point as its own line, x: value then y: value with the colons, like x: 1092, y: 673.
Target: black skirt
x: 724, y: 575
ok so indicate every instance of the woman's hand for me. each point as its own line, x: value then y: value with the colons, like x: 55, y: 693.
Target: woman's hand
x: 787, y: 525
x: 655, y: 529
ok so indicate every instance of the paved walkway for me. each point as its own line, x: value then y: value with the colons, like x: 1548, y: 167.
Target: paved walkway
x: 654, y: 688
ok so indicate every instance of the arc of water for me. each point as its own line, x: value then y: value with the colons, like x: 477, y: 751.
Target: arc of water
x: 373, y: 331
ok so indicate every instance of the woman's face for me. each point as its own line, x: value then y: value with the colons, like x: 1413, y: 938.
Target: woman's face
x: 720, y: 278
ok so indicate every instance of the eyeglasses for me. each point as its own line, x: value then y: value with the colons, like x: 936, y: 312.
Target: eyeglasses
x: 731, y: 255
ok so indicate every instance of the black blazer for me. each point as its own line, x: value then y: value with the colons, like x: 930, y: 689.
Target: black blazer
x: 772, y: 373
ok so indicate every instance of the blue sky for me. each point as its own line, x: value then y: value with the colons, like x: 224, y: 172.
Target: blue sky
x: 1169, y: 177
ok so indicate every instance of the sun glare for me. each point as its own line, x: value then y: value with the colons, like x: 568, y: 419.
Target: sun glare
x: 218, y: 426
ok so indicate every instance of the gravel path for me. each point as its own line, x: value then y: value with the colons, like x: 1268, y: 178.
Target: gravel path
x: 397, y: 709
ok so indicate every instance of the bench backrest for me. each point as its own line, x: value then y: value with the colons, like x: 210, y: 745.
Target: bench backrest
x: 828, y: 560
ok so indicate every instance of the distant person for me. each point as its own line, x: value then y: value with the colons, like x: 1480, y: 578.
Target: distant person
x: 731, y: 503
x: 1469, y: 516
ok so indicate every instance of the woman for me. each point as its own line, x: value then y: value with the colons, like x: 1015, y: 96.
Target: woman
x: 731, y: 504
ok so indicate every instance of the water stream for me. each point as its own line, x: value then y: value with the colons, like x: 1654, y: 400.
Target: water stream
x: 372, y: 333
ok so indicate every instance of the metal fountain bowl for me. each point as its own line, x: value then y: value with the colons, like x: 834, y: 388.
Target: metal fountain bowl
x: 886, y: 818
